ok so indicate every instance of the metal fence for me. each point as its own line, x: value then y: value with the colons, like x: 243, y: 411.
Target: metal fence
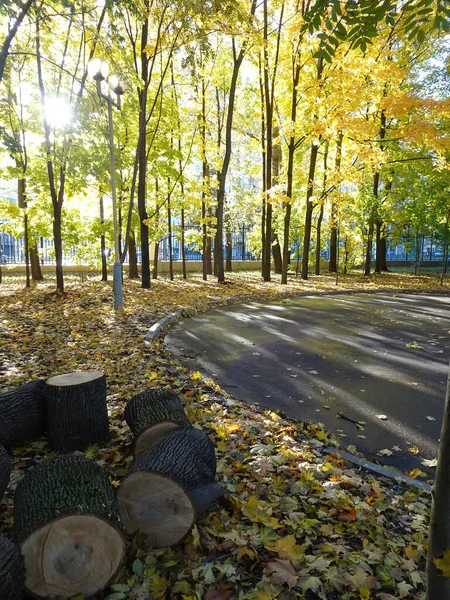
x: 12, y: 250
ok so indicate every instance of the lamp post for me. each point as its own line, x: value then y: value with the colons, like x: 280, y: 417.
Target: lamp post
x: 98, y: 69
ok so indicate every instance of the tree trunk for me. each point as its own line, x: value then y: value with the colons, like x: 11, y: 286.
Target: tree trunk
x: 103, y: 242
x: 438, y: 586
x: 209, y: 261
x: 383, y: 262
x: 36, y: 273
x: 309, y: 209
x: 66, y: 513
x: 332, y: 267
x: 76, y: 410
x: 142, y: 145
x: 264, y: 178
x: 23, y: 413
x: 58, y: 247
x: 378, y: 249
x: 445, y: 253
x: 318, y: 240
x: 169, y: 228
x: 183, y: 242
x: 150, y: 415
x: 133, y: 272
x: 169, y: 487
x: 155, y: 261
x: 5, y: 473
x: 12, y: 570
x: 11, y: 33
x: 417, y: 261
x: 369, y: 249
x: 229, y: 252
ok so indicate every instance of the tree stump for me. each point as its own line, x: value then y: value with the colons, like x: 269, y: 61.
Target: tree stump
x: 66, y: 521
x: 23, y: 413
x: 169, y: 486
x: 12, y: 570
x: 5, y: 471
x: 151, y: 414
x: 77, y: 412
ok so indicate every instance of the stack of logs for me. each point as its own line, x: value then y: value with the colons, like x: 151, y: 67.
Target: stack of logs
x: 68, y: 521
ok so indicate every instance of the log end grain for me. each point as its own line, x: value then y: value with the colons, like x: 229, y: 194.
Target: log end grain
x: 78, y: 554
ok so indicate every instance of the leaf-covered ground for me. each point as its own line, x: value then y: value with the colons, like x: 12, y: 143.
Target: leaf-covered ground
x: 297, y: 524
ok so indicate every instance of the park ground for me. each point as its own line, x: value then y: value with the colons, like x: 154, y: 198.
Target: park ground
x: 297, y: 523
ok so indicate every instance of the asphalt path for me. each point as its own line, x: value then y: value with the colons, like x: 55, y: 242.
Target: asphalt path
x: 339, y: 360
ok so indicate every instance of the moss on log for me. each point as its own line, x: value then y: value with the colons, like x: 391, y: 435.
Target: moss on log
x: 169, y: 486
x: 12, y: 570
x: 77, y: 411
x: 151, y: 414
x: 66, y: 521
x: 23, y: 413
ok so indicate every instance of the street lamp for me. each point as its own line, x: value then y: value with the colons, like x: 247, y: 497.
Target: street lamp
x: 98, y: 69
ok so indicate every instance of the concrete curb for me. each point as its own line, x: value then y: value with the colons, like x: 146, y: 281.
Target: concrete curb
x: 161, y: 327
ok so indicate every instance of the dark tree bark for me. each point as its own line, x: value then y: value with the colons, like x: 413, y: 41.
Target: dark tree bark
x: 66, y: 512
x: 378, y: 249
x: 169, y: 229
x: 445, y: 253
x: 369, y: 249
x: 276, y: 166
x: 5, y: 473
x: 237, y: 61
x: 332, y: 267
x: 142, y: 151
x: 103, y: 242
x: 229, y: 252
x: 133, y: 272
x: 151, y: 414
x: 12, y: 32
x: 23, y: 411
x: 183, y: 242
x: 12, y: 570
x: 76, y: 410
x: 155, y: 261
x: 36, y: 273
x: 320, y: 216
x: 176, y: 479
x: 309, y: 210
x: 264, y: 178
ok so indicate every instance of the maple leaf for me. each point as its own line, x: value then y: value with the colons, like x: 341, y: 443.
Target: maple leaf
x: 430, y: 463
x: 286, y: 547
x: 260, y: 512
x: 282, y: 573
x: 443, y: 564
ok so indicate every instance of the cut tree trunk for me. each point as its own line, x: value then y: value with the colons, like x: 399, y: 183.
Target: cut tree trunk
x: 77, y: 412
x: 12, y: 570
x: 5, y: 471
x: 170, y: 486
x: 151, y: 414
x: 67, y: 523
x: 23, y: 413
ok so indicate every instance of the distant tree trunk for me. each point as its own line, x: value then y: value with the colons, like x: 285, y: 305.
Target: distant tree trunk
x: 229, y: 251
x: 320, y: 217
x: 36, y: 273
x: 133, y: 272
x: 445, y: 253
x: 142, y: 151
x: 289, y: 176
x: 11, y: 33
x: 183, y: 243
x: 264, y: 178
x: 205, y: 184
x: 417, y: 261
x: 309, y: 209
x: 332, y: 267
x: 103, y: 242
x: 369, y: 249
x: 155, y: 261
x: 383, y: 249
x: 346, y: 253
x: 22, y: 203
x: 58, y: 246
x: 378, y: 250
x: 237, y: 61
x: 276, y: 166
x: 169, y: 228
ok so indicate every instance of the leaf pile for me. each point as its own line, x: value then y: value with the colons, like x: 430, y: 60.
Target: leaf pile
x: 297, y: 523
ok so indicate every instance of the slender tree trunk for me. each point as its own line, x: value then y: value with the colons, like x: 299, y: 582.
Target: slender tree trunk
x: 229, y: 251
x: 332, y: 267
x: 183, y: 243
x: 309, y: 209
x: 378, y: 226
x: 36, y: 273
x: 58, y: 247
x: 264, y: 178
x: 445, y: 253
x: 142, y: 151
x: 22, y: 203
x: 346, y: 253
x: 369, y: 249
x: 169, y: 228
x: 209, y: 263
x: 383, y: 249
x: 103, y: 242
x: 237, y: 61
x: 417, y: 261
x: 320, y: 217
x: 276, y: 166
x: 155, y: 261
x: 133, y: 272
x: 205, y: 184
x: 289, y: 177
x: 12, y: 32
